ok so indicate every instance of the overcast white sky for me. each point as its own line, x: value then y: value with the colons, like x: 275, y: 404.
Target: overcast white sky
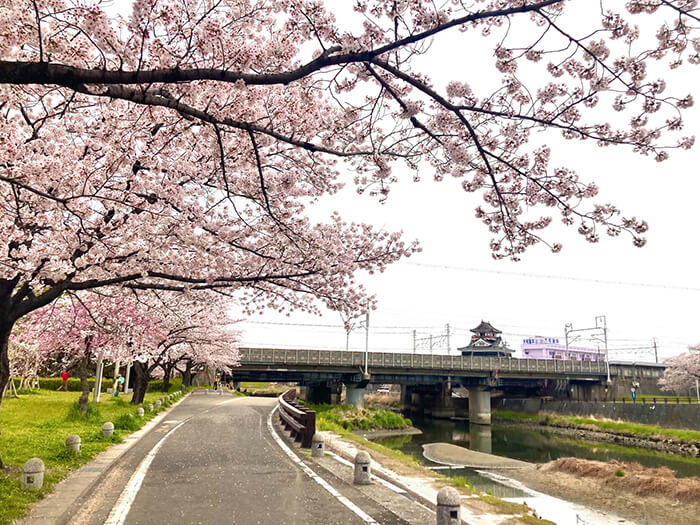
x: 645, y: 293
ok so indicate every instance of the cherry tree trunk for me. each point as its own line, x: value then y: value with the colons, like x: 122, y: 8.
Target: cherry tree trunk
x: 167, y: 373
x: 4, y: 357
x: 85, y: 390
x: 141, y: 377
x: 4, y: 363
x: 187, y: 375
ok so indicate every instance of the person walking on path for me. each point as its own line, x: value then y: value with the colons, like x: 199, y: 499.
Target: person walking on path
x: 64, y: 377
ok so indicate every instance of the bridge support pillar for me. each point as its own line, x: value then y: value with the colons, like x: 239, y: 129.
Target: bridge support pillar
x: 479, y: 405
x: 355, y: 394
x: 336, y: 389
x: 319, y: 393
x: 405, y: 397
x: 442, y: 406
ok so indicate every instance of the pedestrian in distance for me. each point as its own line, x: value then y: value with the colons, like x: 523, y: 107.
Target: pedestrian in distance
x: 216, y: 382
x: 64, y: 384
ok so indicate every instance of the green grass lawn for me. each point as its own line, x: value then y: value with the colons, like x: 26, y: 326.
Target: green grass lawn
x: 37, y: 424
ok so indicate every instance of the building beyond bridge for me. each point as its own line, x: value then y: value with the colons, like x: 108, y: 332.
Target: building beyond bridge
x: 550, y: 348
x: 486, y: 341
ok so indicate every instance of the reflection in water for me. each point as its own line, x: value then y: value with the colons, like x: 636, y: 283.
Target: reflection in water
x: 530, y: 445
x: 480, y: 438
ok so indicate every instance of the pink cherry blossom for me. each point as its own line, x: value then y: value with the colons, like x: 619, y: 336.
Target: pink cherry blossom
x: 178, y: 147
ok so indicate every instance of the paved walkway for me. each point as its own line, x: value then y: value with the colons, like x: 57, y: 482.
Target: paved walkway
x: 215, y: 459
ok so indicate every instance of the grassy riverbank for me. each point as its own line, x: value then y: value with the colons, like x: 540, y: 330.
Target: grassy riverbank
x: 37, y: 424
x: 589, y: 423
x: 332, y: 417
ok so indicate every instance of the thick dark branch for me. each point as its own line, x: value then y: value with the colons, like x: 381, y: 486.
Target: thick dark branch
x: 69, y: 76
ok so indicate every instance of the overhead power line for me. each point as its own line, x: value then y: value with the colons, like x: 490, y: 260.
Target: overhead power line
x: 556, y: 277
x: 340, y: 326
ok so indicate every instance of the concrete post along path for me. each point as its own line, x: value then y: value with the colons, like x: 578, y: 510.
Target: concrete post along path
x: 217, y: 458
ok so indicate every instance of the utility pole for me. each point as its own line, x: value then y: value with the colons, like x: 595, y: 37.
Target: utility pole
x: 447, y: 328
x: 367, y: 340
x: 656, y: 354
x: 431, y: 344
x: 414, y: 341
x: 603, y: 320
x: 600, y: 324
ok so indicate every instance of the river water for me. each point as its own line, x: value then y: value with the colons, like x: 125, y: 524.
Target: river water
x: 524, y: 444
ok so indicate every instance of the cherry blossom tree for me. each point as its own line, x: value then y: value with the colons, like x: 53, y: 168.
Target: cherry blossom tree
x: 178, y: 147
x: 25, y: 363
x: 683, y: 371
x: 194, y: 329
x: 73, y: 331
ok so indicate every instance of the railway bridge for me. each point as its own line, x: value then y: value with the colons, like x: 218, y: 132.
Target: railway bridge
x: 428, y: 380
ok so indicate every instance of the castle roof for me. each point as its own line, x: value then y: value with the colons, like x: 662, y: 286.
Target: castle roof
x: 485, y: 327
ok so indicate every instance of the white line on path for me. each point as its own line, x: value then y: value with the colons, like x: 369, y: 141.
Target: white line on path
x: 123, y: 505
x: 345, y: 501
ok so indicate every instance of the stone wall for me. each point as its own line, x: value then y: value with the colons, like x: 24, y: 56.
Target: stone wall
x: 660, y: 414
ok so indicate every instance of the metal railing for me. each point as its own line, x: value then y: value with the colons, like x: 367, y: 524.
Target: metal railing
x: 300, y: 421
x: 662, y: 400
x: 389, y: 360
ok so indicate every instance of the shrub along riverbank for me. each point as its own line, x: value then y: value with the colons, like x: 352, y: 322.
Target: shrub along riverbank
x: 37, y: 425
x: 332, y: 417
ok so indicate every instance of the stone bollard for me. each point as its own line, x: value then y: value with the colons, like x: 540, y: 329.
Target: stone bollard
x: 108, y: 429
x: 33, y: 474
x: 150, y: 407
x: 73, y: 443
x: 362, y: 468
x: 448, y: 507
x: 158, y: 404
x: 318, y: 446
x: 139, y: 412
